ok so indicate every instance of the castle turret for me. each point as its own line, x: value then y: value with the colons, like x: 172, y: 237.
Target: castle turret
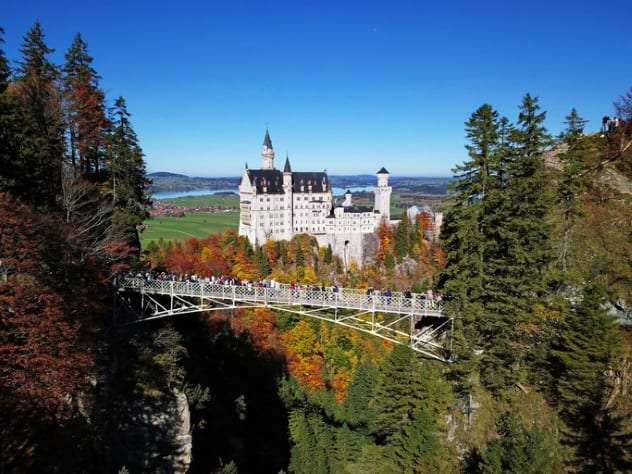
x: 347, y: 201
x: 383, y: 195
x: 287, y: 174
x: 267, y: 153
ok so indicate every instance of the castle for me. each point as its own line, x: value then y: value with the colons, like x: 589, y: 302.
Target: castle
x: 276, y: 205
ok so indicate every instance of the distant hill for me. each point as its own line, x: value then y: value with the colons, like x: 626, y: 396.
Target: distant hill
x: 165, y: 174
x: 163, y: 181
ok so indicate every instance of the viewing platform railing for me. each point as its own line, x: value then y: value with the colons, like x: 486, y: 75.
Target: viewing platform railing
x: 344, y: 298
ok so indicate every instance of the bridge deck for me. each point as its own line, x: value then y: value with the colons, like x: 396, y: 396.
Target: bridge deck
x: 345, y: 298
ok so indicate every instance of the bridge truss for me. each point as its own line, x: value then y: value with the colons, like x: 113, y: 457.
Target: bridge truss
x: 416, y: 321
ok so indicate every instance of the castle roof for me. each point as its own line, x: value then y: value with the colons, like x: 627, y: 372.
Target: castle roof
x: 272, y: 180
x: 287, y: 168
x: 357, y: 209
x: 317, y: 180
x: 266, y: 140
x: 382, y: 171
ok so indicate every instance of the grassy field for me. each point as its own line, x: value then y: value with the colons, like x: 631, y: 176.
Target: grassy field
x: 205, y: 201
x: 199, y: 224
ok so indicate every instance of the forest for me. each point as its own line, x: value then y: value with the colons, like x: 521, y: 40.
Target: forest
x: 534, y: 262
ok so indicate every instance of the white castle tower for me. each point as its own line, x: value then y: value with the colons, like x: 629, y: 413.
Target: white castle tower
x: 267, y: 153
x: 383, y: 195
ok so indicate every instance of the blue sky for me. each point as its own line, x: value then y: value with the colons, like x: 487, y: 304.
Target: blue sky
x: 343, y: 85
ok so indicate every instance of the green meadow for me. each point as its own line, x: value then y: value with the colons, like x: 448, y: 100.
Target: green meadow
x: 199, y: 224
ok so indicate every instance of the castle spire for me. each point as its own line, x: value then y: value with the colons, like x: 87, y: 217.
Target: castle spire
x: 287, y: 168
x: 267, y: 142
x: 267, y: 153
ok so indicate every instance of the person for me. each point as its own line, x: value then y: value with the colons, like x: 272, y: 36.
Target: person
x: 604, y: 124
x: 388, y: 293
x: 408, y: 294
x: 429, y: 294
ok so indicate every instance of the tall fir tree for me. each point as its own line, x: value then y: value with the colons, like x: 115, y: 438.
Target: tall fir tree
x: 5, y: 68
x: 402, y: 237
x: 466, y: 236
x: 417, y: 448
x: 128, y: 181
x: 86, y: 117
x: 405, y: 386
x: 9, y: 127
x: 573, y: 159
x: 38, y: 104
x: 357, y: 409
x: 520, y: 449
x: 519, y: 255
x: 585, y: 361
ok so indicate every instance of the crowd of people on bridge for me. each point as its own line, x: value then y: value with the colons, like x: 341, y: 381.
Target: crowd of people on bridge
x: 266, y: 283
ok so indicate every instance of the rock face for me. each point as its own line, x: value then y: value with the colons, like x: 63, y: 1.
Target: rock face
x: 181, y: 457
x: 157, y: 437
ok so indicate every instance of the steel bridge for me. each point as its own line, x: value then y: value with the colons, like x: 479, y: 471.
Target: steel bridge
x: 414, y: 321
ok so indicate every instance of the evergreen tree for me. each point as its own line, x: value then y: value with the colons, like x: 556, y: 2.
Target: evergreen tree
x: 312, y: 443
x: 589, y: 350
x: 34, y: 63
x: 573, y: 160
x: 466, y: 234
x: 85, y: 110
x: 36, y: 170
x: 328, y: 254
x: 357, y: 408
x: 347, y: 448
x: 519, y: 254
x: 520, y: 450
x: 9, y: 128
x: 404, y: 387
x: 128, y: 180
x: 402, y: 237
x: 261, y: 261
x: 417, y: 449
x: 5, y: 68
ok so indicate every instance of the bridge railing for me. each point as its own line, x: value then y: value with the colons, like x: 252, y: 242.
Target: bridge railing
x: 349, y: 298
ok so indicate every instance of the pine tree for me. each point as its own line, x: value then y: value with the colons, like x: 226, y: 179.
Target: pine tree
x: 312, y: 442
x: 466, y: 234
x: 573, y: 159
x: 36, y: 171
x: 9, y: 128
x: 261, y: 261
x: 347, y: 448
x: 589, y: 350
x: 128, y: 180
x: 519, y: 254
x: 417, y: 449
x: 328, y: 254
x: 520, y: 450
x: 85, y: 110
x: 35, y: 52
x: 357, y: 409
x: 402, y: 237
x: 5, y: 69
x: 405, y: 386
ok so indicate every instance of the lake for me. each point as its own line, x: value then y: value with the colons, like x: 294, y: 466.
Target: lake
x: 206, y: 192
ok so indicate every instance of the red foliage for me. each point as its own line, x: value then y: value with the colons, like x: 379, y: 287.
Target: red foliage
x: 48, y: 309
x: 307, y: 370
x: 260, y: 324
